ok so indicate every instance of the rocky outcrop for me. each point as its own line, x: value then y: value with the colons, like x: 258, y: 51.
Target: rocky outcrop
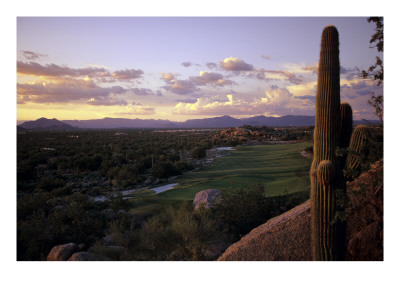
x: 206, y: 198
x: 62, y: 252
x: 285, y: 237
x: 288, y: 236
x: 364, y: 231
x: 73, y: 252
x: 87, y: 256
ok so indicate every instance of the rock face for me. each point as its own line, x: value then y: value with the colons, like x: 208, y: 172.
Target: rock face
x: 62, y: 252
x: 288, y: 236
x: 364, y: 231
x: 206, y: 197
x: 285, y: 237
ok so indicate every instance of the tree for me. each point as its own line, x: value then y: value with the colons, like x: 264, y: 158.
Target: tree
x: 376, y: 71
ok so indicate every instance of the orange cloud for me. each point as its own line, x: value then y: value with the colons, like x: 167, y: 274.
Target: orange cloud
x: 235, y: 64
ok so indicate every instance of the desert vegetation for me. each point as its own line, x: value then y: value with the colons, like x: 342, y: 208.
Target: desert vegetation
x: 59, y: 174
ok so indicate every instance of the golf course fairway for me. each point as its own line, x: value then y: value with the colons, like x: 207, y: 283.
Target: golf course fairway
x: 279, y: 167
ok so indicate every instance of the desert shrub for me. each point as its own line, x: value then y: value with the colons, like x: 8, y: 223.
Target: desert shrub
x: 33, y: 242
x: 242, y: 209
x: 164, y: 169
x: 118, y: 202
x: 72, y: 219
x: 176, y: 234
x: 375, y: 147
x: 49, y: 184
x: 198, y: 152
x: 181, y: 166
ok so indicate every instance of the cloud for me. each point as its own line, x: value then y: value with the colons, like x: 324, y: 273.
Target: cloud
x: 214, y: 79
x: 131, y: 110
x: 54, y: 70
x: 269, y: 75
x: 167, y: 77
x: 307, y: 97
x: 357, y: 92
x: 51, y: 70
x: 32, y: 55
x: 190, y: 85
x: 127, y: 74
x: 142, y: 91
x: 277, y: 101
x: 211, y: 65
x: 63, y: 84
x: 186, y: 64
x: 188, y: 100
x: 180, y: 87
x: 105, y: 101
x: 235, y: 64
x: 67, y: 90
x: 350, y: 72
x: 358, y: 84
x: 312, y: 68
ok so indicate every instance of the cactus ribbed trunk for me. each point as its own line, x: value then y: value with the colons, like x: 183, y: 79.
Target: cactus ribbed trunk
x: 357, y: 147
x: 326, y: 136
x: 346, y: 125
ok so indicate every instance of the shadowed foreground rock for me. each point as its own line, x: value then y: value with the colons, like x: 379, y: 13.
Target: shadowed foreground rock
x: 62, y: 252
x: 87, y: 256
x: 364, y: 232
x: 285, y: 237
x: 288, y: 236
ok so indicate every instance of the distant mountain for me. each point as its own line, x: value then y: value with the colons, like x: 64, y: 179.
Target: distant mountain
x: 46, y: 124
x: 217, y: 122
x: 366, y: 122
x: 121, y: 123
x: 284, y: 121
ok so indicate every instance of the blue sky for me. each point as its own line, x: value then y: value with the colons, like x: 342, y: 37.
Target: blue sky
x: 180, y: 68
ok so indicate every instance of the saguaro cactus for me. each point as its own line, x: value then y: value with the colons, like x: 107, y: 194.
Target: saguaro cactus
x: 357, y: 145
x: 346, y: 125
x: 326, y: 137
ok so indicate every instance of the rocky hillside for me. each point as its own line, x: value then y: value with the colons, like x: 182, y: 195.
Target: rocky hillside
x: 288, y: 236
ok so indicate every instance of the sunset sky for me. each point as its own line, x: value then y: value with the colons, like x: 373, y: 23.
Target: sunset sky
x: 181, y: 68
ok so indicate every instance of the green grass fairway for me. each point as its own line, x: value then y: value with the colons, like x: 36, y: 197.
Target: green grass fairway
x: 280, y: 168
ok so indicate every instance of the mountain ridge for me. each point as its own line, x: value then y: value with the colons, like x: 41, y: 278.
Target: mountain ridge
x: 46, y: 124
x: 215, y: 122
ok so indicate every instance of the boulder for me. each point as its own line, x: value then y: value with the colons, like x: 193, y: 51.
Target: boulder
x: 364, y: 230
x: 206, y: 198
x: 87, y: 256
x: 286, y: 237
x: 62, y: 252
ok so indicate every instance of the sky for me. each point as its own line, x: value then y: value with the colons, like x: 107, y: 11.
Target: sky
x: 180, y: 68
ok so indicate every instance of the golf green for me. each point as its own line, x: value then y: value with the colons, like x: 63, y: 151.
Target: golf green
x: 279, y: 167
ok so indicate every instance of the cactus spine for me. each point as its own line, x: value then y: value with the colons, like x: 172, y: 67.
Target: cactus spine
x: 326, y: 139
